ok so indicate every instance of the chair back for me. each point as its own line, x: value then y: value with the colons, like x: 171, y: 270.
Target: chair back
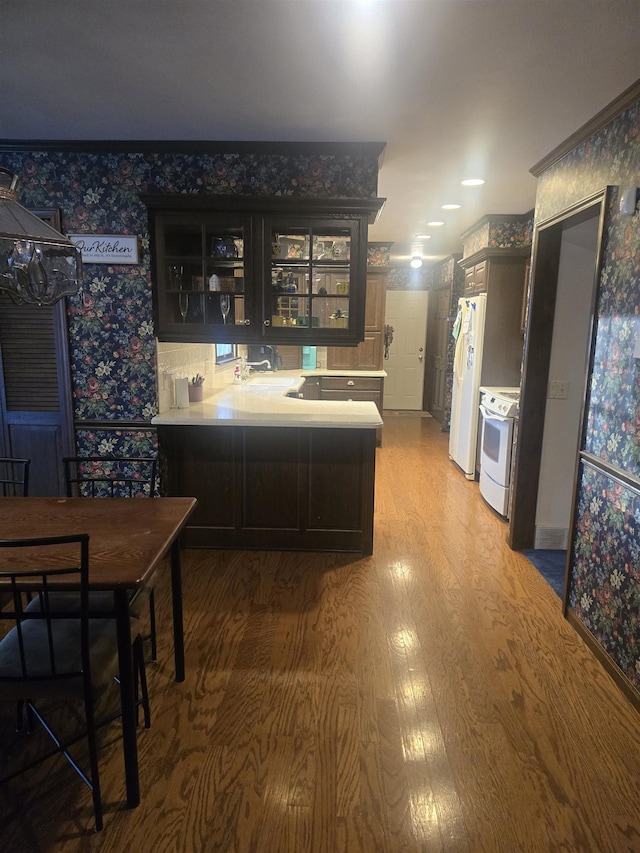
x: 14, y: 477
x: 110, y: 476
x: 43, y: 644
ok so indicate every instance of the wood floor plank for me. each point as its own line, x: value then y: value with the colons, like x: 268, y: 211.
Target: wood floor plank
x: 429, y: 697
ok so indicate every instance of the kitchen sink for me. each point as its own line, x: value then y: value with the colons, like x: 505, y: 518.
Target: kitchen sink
x: 277, y: 381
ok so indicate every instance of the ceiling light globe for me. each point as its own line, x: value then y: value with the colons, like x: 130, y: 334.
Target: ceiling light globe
x: 416, y: 262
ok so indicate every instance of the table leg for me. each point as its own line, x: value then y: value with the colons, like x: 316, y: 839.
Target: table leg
x: 176, y: 598
x: 127, y: 697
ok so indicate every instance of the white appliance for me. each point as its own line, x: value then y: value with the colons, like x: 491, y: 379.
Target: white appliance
x: 467, y: 368
x: 499, y: 408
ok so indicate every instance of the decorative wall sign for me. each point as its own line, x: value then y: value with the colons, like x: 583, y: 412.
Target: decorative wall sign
x: 106, y: 248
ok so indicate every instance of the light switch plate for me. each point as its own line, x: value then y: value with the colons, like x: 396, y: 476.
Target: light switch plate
x: 628, y: 201
x: 558, y: 390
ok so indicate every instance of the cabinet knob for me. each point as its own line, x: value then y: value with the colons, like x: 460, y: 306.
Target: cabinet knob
x: 247, y: 322
x: 267, y: 322
x: 350, y: 382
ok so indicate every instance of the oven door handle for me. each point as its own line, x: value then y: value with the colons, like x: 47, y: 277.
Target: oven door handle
x: 493, y: 416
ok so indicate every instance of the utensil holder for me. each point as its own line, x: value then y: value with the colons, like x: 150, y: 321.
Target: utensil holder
x: 196, y: 393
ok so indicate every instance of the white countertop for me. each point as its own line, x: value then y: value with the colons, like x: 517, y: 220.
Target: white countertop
x: 263, y: 401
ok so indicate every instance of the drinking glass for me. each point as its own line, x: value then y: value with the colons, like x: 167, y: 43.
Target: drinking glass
x: 224, y: 306
x: 183, y: 304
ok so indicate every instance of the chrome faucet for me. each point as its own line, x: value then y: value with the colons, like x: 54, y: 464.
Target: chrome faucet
x: 259, y: 363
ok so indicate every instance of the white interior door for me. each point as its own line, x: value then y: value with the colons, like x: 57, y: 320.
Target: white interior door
x: 406, y: 311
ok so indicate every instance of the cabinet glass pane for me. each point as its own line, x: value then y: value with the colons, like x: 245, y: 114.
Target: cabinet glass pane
x: 289, y: 310
x: 188, y: 307
x: 182, y: 240
x: 225, y: 274
x: 310, y: 277
x: 225, y: 309
x: 331, y: 312
x: 291, y: 246
x: 332, y: 245
x: 183, y: 276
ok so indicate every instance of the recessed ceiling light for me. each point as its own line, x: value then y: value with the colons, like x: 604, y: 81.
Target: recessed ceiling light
x: 423, y: 236
x: 416, y: 262
x: 435, y: 224
x: 451, y: 206
x: 472, y: 182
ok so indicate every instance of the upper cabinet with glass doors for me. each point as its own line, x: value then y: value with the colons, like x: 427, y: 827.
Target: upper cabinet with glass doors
x: 243, y: 269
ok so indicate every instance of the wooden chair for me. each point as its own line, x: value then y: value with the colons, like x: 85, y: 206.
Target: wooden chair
x: 50, y: 654
x: 112, y: 477
x: 14, y: 477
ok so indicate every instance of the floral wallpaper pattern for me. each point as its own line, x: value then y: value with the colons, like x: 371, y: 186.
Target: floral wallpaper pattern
x: 495, y: 233
x: 379, y: 254
x: 111, y: 321
x: 605, y: 583
x: 120, y: 442
x: 604, y: 573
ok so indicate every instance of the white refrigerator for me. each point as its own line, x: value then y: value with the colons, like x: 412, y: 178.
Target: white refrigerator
x: 468, y: 330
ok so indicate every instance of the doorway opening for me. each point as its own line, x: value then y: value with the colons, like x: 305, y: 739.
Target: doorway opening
x: 566, y: 261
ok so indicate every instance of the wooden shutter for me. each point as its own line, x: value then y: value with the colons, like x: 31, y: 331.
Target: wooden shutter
x: 28, y: 349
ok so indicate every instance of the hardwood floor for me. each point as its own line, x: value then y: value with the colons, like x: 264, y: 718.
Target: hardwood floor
x: 427, y: 698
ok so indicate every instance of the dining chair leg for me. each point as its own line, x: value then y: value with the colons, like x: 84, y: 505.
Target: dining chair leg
x: 141, y: 691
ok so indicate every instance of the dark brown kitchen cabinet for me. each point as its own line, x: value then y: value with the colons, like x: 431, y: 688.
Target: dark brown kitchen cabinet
x: 273, y: 488
x: 259, y: 269
x: 369, y: 354
x: 475, y: 278
x: 311, y: 388
x: 353, y: 387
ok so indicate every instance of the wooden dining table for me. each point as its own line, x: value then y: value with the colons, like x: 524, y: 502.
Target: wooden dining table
x: 128, y: 539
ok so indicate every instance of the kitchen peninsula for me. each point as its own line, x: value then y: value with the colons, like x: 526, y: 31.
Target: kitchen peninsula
x: 272, y: 470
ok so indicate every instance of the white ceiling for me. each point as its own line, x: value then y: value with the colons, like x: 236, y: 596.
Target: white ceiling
x: 455, y: 88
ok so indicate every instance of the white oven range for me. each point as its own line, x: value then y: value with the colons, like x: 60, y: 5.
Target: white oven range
x: 499, y: 408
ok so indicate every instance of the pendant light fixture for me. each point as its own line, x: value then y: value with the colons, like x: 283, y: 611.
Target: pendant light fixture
x: 38, y: 265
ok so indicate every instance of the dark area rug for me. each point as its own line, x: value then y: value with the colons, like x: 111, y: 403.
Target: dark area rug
x: 551, y: 565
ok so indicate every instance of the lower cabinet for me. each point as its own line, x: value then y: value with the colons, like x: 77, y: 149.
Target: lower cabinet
x: 273, y: 488
x: 362, y: 388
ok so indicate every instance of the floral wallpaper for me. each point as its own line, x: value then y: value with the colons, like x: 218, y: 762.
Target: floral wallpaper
x: 494, y: 232
x: 605, y: 583
x: 379, y: 254
x: 117, y: 442
x: 120, y: 442
x: 604, y: 579
x: 405, y: 278
x: 111, y: 321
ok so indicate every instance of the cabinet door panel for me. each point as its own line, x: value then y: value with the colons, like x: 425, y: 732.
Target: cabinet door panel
x: 366, y: 356
x: 374, y: 306
x: 272, y: 477
x: 202, y: 466
x: 335, y: 484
